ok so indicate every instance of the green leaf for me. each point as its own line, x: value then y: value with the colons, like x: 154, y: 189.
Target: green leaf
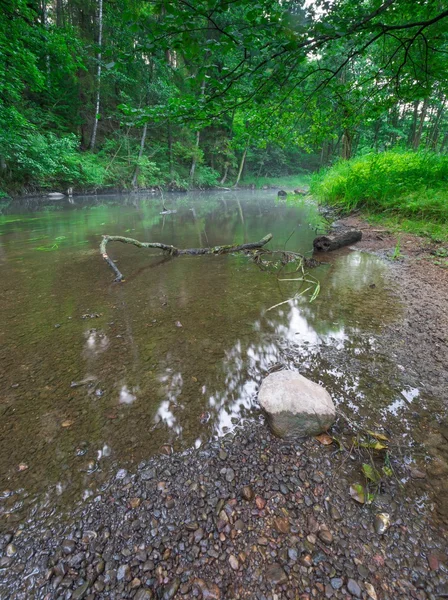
x: 371, y: 473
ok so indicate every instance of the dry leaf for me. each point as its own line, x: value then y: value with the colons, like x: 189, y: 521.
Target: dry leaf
x: 67, y: 423
x: 324, y: 439
x: 23, y: 467
x: 378, y: 436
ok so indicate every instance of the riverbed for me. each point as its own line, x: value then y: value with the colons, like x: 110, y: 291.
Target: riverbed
x: 98, y: 377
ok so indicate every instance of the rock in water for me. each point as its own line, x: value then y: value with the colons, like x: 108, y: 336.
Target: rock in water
x: 295, y: 406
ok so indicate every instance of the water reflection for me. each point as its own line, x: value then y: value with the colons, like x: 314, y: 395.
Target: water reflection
x: 177, y: 353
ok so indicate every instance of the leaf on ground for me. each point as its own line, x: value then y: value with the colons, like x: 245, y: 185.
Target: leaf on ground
x: 378, y: 436
x: 372, y: 444
x: 324, y: 439
x: 357, y: 493
x: 67, y: 423
x: 23, y: 467
x: 371, y: 473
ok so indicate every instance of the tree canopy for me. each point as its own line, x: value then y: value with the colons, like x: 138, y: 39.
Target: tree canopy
x: 137, y: 93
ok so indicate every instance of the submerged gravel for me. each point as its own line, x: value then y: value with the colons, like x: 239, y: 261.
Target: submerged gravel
x: 251, y: 517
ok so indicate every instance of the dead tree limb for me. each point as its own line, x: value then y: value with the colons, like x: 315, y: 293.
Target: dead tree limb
x: 172, y: 250
x: 327, y: 243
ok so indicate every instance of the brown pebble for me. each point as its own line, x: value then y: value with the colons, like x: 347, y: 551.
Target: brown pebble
x: 281, y: 524
x: 325, y: 536
x: 433, y: 562
x: 247, y: 493
x: 260, y: 502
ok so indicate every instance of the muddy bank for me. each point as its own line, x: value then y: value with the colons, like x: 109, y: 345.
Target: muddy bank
x: 418, y: 342
x: 253, y: 517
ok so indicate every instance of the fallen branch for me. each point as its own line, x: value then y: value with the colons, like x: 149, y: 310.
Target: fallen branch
x: 172, y: 250
x: 327, y: 243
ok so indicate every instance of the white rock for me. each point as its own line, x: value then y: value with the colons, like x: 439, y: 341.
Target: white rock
x: 295, y: 406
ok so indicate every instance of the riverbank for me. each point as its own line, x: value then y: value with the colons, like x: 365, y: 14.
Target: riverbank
x: 183, y: 524
x: 252, y: 517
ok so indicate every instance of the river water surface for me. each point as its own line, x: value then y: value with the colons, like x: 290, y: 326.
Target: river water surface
x: 97, y: 375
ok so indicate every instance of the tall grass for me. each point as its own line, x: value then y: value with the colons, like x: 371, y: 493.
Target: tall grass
x: 402, y: 184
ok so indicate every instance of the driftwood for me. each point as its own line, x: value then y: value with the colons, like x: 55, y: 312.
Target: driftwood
x: 327, y: 243
x: 172, y: 250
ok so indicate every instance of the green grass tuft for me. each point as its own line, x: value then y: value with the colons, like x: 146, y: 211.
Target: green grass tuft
x: 406, y: 188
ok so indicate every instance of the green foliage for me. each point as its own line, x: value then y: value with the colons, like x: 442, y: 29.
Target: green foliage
x: 411, y: 185
x: 45, y: 160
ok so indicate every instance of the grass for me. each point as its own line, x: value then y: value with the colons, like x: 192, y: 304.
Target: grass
x: 407, y: 191
x: 288, y: 182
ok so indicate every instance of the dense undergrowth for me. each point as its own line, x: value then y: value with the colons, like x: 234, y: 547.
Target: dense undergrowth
x: 404, y: 189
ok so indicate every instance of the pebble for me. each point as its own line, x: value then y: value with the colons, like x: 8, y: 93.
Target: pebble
x: 68, y: 546
x: 10, y: 550
x: 247, y: 493
x: 336, y: 583
x: 221, y: 541
x: 276, y: 575
x: 123, y: 573
x: 143, y: 594
x: 325, y: 536
x: 230, y: 475
x: 354, y: 588
x: 260, y: 502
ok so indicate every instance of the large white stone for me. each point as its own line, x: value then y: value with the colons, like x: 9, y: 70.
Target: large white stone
x: 295, y: 406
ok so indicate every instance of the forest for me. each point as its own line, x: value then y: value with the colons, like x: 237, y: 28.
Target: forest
x: 135, y: 94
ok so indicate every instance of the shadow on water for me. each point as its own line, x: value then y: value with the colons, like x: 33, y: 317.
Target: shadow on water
x: 98, y: 375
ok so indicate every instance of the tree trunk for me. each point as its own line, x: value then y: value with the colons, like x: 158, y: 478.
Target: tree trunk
x: 98, y: 74
x: 434, y: 135
x: 224, y: 177
x: 170, y: 148
x: 346, y: 148
x: 198, y: 137
x: 60, y: 13
x: 193, y: 162
x: 47, y: 56
x: 140, y: 154
x: 444, y: 143
x: 243, y: 160
x: 419, y: 131
x: 413, y: 124
x: 376, y: 134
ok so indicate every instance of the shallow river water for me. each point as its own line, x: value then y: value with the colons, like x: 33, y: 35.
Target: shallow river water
x: 97, y: 375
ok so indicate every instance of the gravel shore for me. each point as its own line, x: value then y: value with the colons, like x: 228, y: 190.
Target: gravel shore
x: 250, y: 517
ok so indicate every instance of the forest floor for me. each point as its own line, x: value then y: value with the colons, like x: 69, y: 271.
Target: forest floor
x: 251, y: 516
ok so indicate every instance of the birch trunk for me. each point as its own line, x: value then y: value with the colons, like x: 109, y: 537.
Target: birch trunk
x: 98, y: 74
x: 243, y: 160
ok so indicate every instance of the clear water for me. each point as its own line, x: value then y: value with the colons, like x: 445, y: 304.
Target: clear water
x: 97, y: 375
